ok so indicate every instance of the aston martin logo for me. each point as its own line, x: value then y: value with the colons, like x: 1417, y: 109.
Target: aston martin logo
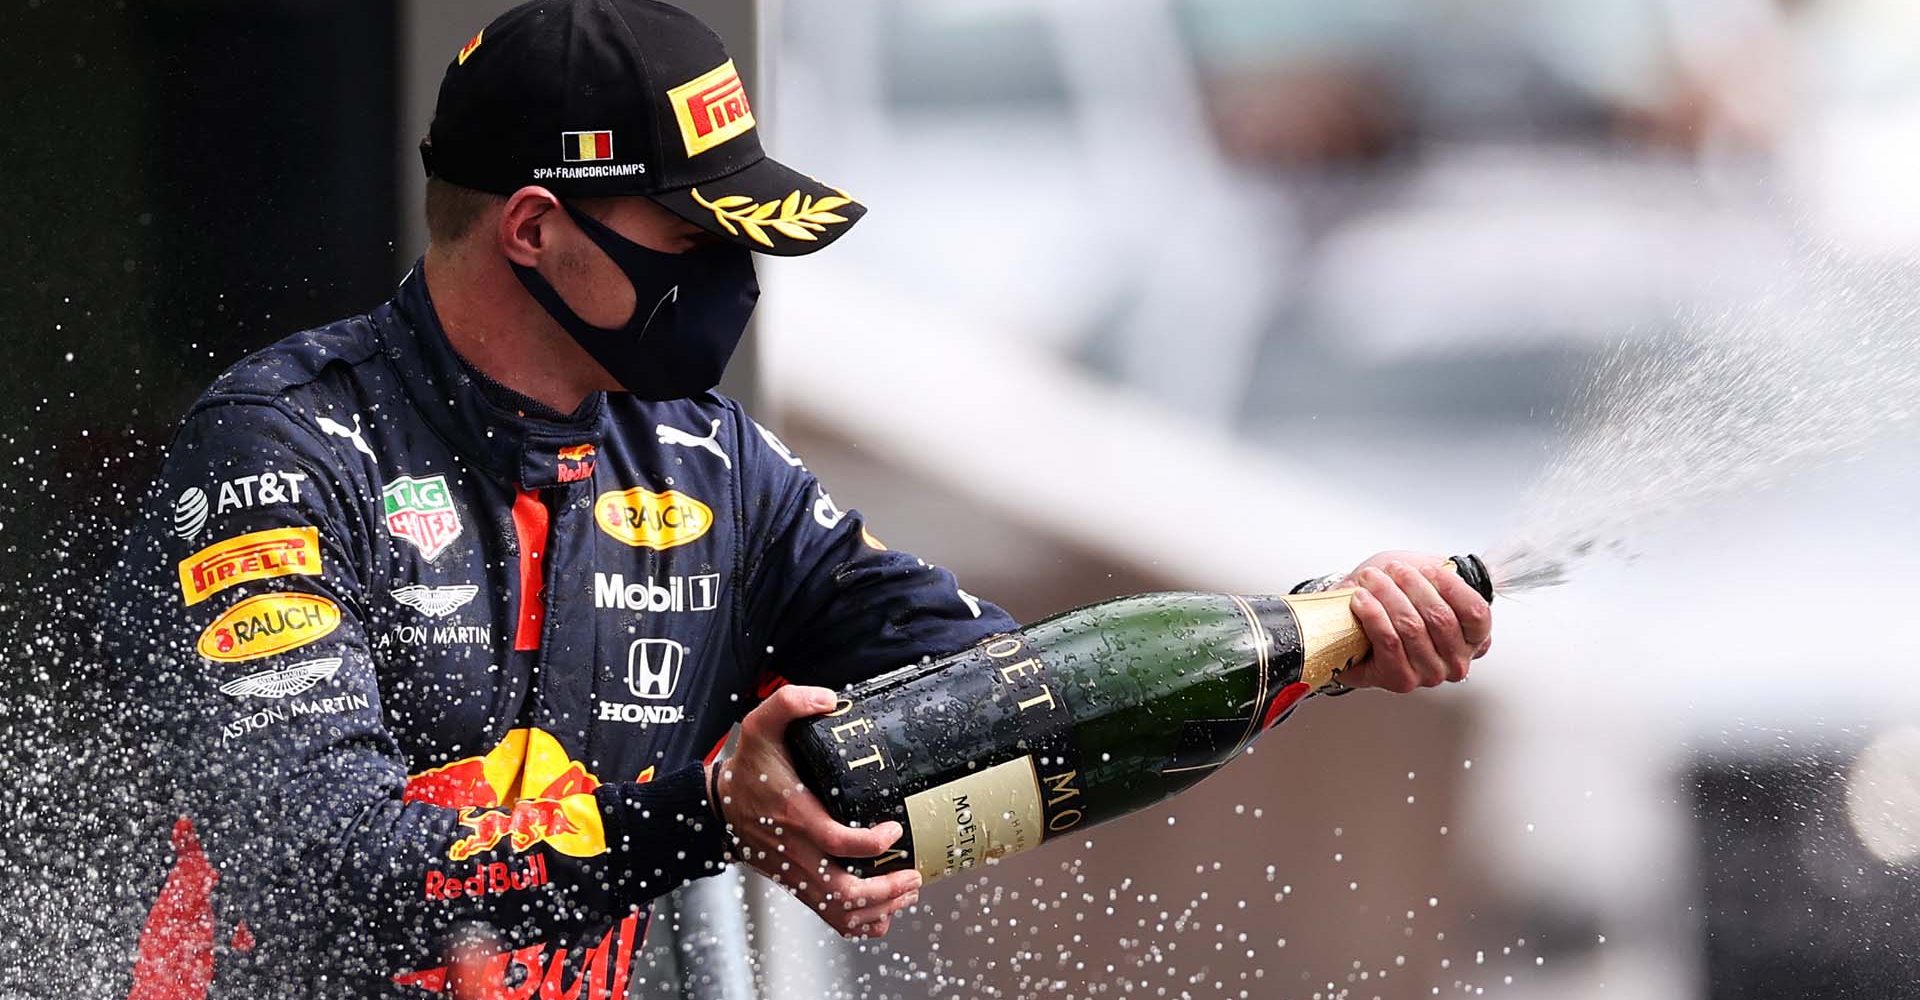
x: 284, y: 681
x: 435, y: 602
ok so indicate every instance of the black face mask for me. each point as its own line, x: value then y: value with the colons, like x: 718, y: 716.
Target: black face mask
x: 689, y: 311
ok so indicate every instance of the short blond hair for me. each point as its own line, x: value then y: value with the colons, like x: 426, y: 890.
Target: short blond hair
x: 452, y: 210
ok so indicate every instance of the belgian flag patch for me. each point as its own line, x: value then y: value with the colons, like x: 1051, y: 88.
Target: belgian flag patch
x: 585, y: 147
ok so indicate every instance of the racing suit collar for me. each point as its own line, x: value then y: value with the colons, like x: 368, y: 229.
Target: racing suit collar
x: 532, y: 446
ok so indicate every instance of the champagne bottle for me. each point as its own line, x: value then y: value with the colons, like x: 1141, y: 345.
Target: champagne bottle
x: 1083, y: 717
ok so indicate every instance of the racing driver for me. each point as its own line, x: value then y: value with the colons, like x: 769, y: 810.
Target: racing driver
x: 450, y: 605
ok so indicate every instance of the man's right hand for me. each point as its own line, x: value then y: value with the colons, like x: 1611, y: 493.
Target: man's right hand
x: 782, y: 829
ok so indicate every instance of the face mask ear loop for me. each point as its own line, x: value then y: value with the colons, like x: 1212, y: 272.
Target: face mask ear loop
x: 549, y: 298
x: 622, y: 252
x: 614, y: 246
x: 596, y: 230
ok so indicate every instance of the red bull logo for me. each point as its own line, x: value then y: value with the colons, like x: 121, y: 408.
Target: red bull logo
x: 527, y: 791
x: 576, y: 462
x: 488, y: 880
x: 532, y: 973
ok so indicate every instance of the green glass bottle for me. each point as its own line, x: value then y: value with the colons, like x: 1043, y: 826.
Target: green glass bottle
x: 1071, y: 721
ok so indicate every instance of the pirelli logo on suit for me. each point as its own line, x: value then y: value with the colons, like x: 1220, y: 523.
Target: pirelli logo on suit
x: 257, y: 555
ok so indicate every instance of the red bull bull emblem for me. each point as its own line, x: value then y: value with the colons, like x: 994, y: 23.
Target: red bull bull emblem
x: 527, y: 791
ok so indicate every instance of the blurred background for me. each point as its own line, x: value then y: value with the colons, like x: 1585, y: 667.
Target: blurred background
x: 1157, y: 294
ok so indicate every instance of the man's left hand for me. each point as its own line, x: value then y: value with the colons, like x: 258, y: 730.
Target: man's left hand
x: 1426, y: 625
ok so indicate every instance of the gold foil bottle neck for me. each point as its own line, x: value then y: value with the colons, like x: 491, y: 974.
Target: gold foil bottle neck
x: 1331, y: 639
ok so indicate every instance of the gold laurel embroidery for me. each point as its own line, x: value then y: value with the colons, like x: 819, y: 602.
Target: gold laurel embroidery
x: 796, y: 217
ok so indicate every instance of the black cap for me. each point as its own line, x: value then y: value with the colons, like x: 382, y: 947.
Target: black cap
x: 599, y: 98
x: 1474, y: 570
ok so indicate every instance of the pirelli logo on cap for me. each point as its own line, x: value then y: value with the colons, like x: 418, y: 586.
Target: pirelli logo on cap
x: 586, y: 147
x: 711, y: 108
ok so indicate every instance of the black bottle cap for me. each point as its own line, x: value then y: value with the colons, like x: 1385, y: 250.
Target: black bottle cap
x: 1473, y: 569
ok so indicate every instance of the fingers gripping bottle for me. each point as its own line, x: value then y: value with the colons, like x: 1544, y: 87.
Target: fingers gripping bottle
x: 1083, y: 717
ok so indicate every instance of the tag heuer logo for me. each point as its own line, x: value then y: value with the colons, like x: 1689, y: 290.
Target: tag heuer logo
x: 421, y: 512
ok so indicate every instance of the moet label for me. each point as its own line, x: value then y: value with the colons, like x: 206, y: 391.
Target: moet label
x: 985, y: 815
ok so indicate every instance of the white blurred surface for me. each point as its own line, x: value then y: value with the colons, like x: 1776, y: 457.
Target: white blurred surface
x: 1240, y: 374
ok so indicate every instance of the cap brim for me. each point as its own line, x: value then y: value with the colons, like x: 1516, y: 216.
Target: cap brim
x: 767, y: 207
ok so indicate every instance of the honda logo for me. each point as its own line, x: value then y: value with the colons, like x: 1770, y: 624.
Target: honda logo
x: 653, y: 667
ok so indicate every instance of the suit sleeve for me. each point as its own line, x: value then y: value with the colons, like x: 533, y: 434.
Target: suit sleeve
x: 240, y: 635
x: 827, y: 601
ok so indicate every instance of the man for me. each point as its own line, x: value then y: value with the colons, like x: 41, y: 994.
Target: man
x: 457, y: 600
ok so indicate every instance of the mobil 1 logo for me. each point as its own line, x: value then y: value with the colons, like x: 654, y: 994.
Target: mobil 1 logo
x: 656, y: 594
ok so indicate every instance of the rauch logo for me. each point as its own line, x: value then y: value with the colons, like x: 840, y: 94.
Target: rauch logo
x: 267, y: 624
x: 645, y: 519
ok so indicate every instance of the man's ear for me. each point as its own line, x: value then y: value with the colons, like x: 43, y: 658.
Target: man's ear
x: 522, y: 235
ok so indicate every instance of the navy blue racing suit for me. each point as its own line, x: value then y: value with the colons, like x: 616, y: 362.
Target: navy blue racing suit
x: 429, y: 657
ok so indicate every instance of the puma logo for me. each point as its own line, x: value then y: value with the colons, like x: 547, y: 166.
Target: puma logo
x: 673, y: 296
x: 674, y: 435
x: 337, y: 429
